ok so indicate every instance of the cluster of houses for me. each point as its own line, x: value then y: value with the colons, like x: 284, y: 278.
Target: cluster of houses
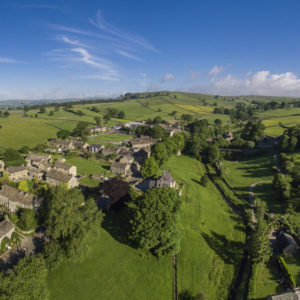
x: 40, y: 166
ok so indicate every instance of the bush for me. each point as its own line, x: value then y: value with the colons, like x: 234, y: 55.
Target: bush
x: 204, y: 180
x: 27, y: 220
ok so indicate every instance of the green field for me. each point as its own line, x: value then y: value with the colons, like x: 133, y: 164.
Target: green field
x: 105, y: 138
x: 214, y: 236
x: 211, y: 251
x: 89, y: 167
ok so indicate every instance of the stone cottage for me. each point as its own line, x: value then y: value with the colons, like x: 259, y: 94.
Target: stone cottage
x: 122, y: 169
x: 6, y: 229
x: 13, y: 199
x: 17, y: 173
x: 55, y: 177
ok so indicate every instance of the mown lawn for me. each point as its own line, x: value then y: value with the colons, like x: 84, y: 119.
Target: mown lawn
x: 113, y: 271
x: 211, y: 249
x: 212, y: 245
x: 266, y: 283
x: 17, y: 131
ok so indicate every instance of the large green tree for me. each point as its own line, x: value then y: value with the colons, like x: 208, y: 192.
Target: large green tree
x: 27, y: 280
x: 155, y: 221
x: 160, y: 153
x: 149, y: 168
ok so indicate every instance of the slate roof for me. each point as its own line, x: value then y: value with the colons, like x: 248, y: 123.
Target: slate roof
x: 16, y: 195
x: 12, y: 169
x: 59, y: 176
x: 5, y: 227
x: 63, y: 166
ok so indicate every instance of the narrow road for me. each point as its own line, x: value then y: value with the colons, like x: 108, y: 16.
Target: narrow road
x: 251, y: 195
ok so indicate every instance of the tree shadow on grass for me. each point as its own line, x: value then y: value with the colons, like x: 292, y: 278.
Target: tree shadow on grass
x: 228, y: 251
x: 116, y: 223
x: 197, y: 181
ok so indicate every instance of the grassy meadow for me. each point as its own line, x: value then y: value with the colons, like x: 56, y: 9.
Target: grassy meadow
x: 117, y: 271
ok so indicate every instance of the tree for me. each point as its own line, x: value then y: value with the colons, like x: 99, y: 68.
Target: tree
x: 218, y: 122
x: 27, y: 280
x: 27, y: 220
x: 12, y: 157
x: 71, y: 221
x: 282, y: 185
x: 23, y: 185
x: 63, y: 134
x: 204, y: 180
x: 155, y: 221
x: 81, y: 130
x: 253, y: 131
x: 212, y: 154
x: 117, y: 190
x: 121, y: 114
x: 98, y: 120
x: 42, y: 110
x: 6, y: 114
x: 24, y: 150
x: 149, y: 168
x: 160, y: 153
x: 259, y: 244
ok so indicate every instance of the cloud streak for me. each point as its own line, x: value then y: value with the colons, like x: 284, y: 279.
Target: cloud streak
x: 128, y: 55
x: 8, y: 60
x: 108, y: 28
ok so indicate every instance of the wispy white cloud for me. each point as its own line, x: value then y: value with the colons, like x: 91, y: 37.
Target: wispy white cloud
x: 216, y: 70
x: 108, y: 28
x: 128, y: 55
x: 167, y: 78
x: 104, y: 77
x: 69, y: 41
x: 8, y: 60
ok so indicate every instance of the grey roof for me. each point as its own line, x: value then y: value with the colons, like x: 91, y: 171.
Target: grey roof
x: 291, y: 295
x: 119, y: 165
x: 59, y: 176
x: 166, y: 176
x: 16, y: 195
x: 63, y: 166
x: 98, y: 146
x: 38, y: 157
x: 5, y: 227
x: 12, y: 169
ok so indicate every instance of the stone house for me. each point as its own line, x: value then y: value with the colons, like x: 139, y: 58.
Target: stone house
x: 6, y: 229
x: 286, y: 243
x: 108, y: 151
x: 13, y: 199
x: 38, y: 164
x: 126, y: 159
x: 122, y: 169
x: 289, y: 295
x: 38, y: 159
x: 79, y: 144
x: 55, y: 177
x: 2, y: 165
x: 165, y: 181
x: 17, y: 173
x: 95, y: 148
x: 171, y: 130
x: 142, y: 142
x: 62, y: 145
x: 98, y: 129
x: 66, y: 169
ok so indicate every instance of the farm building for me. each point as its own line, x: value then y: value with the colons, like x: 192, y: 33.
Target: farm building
x: 56, y: 177
x: 6, y: 229
x: 17, y: 173
x: 13, y: 199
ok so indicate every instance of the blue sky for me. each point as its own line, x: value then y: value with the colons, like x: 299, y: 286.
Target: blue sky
x: 62, y: 49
